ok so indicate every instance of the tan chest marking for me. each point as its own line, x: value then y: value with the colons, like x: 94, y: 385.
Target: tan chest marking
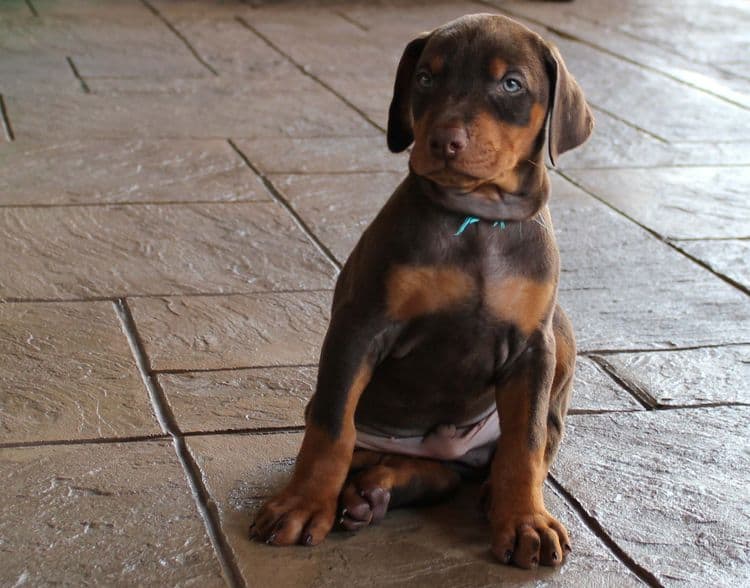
x: 520, y: 301
x: 413, y: 291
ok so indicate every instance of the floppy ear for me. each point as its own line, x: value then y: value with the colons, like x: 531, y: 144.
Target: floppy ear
x: 570, y: 121
x: 400, y: 131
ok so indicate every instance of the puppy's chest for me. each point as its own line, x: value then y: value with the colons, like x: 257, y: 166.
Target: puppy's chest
x: 484, y: 287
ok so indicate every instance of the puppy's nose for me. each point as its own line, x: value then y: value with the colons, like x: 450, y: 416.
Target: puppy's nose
x: 448, y: 142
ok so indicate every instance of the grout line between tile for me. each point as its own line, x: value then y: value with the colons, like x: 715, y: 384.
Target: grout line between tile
x: 119, y: 203
x: 7, y: 128
x: 177, y: 371
x: 656, y: 235
x: 590, y: 352
x: 91, y: 441
x: 32, y: 8
x: 16, y: 300
x: 595, y: 527
x: 179, y: 35
x: 352, y: 21
x: 628, y: 123
x: 77, y: 74
x: 164, y: 416
x: 307, y: 73
x: 641, y: 396
x: 279, y: 197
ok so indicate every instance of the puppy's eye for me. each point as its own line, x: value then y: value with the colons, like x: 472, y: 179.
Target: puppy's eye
x: 511, y: 85
x: 424, y: 79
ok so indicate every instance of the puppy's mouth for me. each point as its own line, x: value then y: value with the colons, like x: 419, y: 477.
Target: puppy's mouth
x: 452, y: 177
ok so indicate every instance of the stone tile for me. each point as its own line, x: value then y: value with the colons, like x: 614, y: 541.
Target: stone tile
x: 101, y: 514
x: 691, y: 377
x: 291, y: 107
x: 207, y: 332
x: 132, y: 48
x: 615, y: 144
x: 239, y: 399
x: 666, y: 107
x: 324, y: 155
x: 78, y: 172
x: 728, y: 257
x: 324, y: 42
x: 593, y: 390
x: 150, y: 249
x: 626, y: 290
x: 67, y: 372
x: 338, y: 208
x: 444, y: 545
x: 678, y: 203
x: 669, y: 487
x: 230, y: 48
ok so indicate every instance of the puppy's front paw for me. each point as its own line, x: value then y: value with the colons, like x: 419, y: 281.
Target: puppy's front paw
x: 529, y: 539
x: 294, y: 517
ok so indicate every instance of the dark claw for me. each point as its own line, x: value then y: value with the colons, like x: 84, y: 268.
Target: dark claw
x: 554, y: 556
x: 307, y: 539
x: 534, y: 561
x: 508, y: 556
x: 567, y: 548
x: 271, y: 538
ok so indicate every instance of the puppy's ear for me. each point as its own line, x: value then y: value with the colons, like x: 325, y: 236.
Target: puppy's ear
x: 400, y: 123
x: 569, y: 122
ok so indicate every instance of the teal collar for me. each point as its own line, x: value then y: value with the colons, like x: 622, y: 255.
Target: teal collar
x: 470, y: 220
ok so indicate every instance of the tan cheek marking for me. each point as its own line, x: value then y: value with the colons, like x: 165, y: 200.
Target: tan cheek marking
x: 497, y: 68
x: 520, y: 301
x: 417, y: 290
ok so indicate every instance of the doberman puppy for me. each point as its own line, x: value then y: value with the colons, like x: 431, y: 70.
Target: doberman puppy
x: 445, y: 321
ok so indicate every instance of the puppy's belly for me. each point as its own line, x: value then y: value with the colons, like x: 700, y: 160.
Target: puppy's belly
x: 441, y: 371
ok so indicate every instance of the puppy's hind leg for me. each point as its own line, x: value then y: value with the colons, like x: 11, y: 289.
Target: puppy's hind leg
x: 382, y: 481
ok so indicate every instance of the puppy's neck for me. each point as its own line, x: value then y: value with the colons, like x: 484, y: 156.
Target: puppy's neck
x: 489, y: 201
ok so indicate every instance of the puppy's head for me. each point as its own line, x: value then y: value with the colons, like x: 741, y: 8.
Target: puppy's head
x: 476, y: 97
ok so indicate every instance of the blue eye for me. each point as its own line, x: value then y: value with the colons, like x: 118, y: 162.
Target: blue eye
x: 511, y: 85
x: 424, y: 79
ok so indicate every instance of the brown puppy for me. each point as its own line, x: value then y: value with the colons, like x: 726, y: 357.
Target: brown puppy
x: 444, y: 319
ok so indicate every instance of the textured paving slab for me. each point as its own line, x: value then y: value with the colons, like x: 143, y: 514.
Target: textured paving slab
x: 594, y: 390
x: 239, y: 399
x: 446, y: 545
x: 324, y: 155
x: 338, y: 208
x: 141, y: 47
x: 676, y: 499
x: 66, y: 372
x: 624, y: 289
x: 103, y: 515
x: 229, y: 47
x: 666, y: 107
x: 212, y: 108
x: 208, y: 332
x: 691, y: 377
x: 78, y: 172
x: 125, y: 250
x: 619, y: 144
x: 678, y: 203
x: 730, y: 258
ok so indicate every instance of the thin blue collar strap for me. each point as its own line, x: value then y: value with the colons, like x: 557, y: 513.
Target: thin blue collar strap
x: 470, y: 220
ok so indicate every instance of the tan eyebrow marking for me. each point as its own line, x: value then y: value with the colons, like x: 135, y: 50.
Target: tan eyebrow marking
x: 436, y: 64
x: 497, y: 67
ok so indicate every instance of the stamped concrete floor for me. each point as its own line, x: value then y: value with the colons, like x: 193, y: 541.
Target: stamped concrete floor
x: 181, y: 180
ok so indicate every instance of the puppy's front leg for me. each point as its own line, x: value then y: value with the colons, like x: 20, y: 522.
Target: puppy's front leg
x: 304, y: 511
x: 523, y: 532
